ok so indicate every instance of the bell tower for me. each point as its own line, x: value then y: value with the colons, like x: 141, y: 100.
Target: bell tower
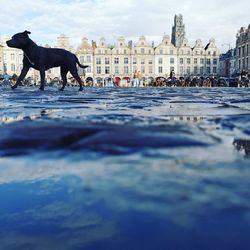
x: 178, y: 31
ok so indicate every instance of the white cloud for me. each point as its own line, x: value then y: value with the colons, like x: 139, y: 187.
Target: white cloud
x: 112, y: 18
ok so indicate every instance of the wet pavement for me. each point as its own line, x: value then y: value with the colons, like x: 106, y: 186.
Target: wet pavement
x: 131, y: 168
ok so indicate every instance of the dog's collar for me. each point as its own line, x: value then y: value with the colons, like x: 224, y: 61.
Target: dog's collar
x: 32, y: 63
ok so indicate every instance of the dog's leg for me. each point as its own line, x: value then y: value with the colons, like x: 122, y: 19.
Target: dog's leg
x: 42, y: 75
x: 64, y: 72
x: 77, y: 77
x: 21, y: 77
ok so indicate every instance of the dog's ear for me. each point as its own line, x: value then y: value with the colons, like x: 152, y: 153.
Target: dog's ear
x: 26, y: 33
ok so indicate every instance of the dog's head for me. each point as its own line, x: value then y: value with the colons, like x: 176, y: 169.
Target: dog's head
x: 19, y: 40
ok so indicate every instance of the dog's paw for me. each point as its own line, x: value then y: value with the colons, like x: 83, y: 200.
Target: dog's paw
x: 61, y: 89
x: 80, y: 89
x: 42, y: 89
x: 14, y: 86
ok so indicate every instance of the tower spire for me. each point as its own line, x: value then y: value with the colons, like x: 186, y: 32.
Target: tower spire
x: 178, y: 31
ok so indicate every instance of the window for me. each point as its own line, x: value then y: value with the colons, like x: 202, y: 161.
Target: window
x: 150, y: 70
x: 125, y: 51
x: 160, y: 70
x: 12, y: 57
x: 188, y: 70
x: 135, y: 51
x: 214, y: 53
x: 98, y: 60
x: 143, y: 69
x: 107, y: 70
x: 142, y: 61
x: 82, y: 59
x: 171, y: 69
x: 142, y: 51
x: 202, y: 70
x: 202, y: 61
x: 160, y: 60
x: 88, y: 59
x: 116, y: 60
x: 215, y: 61
x: 172, y: 60
x: 126, y: 70
x: 208, y: 70
x: 126, y: 60
x: 195, y: 61
x: 134, y: 68
x: 195, y: 70
x: 161, y: 51
x: 181, y: 60
x: 107, y: 61
x: 149, y: 51
x: 13, y: 67
x: 116, y: 70
x: 98, y: 70
x: 88, y: 70
x: 171, y: 52
x: 214, y: 70
x: 209, y: 53
x: 188, y: 60
x: 150, y: 61
x: 208, y: 61
x: 134, y: 61
x: 181, y: 70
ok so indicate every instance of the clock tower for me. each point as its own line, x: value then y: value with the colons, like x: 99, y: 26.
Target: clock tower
x: 178, y: 31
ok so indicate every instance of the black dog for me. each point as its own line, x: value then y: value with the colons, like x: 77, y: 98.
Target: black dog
x: 42, y: 59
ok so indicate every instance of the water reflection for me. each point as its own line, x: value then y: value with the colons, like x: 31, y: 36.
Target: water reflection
x: 124, y: 169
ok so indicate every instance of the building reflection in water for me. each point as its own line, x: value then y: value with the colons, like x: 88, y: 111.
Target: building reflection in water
x: 241, y: 145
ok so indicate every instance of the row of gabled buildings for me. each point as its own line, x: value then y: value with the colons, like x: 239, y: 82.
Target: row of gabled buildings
x: 125, y: 59
x: 236, y: 61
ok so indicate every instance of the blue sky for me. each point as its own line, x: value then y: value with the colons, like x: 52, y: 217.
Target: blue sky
x: 129, y: 18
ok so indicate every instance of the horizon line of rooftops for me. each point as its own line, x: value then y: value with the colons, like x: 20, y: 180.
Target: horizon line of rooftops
x: 121, y: 43
x: 141, y: 42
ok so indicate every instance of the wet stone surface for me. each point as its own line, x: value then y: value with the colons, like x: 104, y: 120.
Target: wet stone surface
x: 113, y: 168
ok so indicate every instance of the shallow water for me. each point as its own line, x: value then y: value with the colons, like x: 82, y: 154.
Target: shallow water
x: 114, y: 168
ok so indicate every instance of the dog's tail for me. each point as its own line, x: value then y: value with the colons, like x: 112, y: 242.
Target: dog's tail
x: 82, y: 66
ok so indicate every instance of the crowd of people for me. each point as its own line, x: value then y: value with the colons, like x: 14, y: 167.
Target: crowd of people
x: 137, y: 81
